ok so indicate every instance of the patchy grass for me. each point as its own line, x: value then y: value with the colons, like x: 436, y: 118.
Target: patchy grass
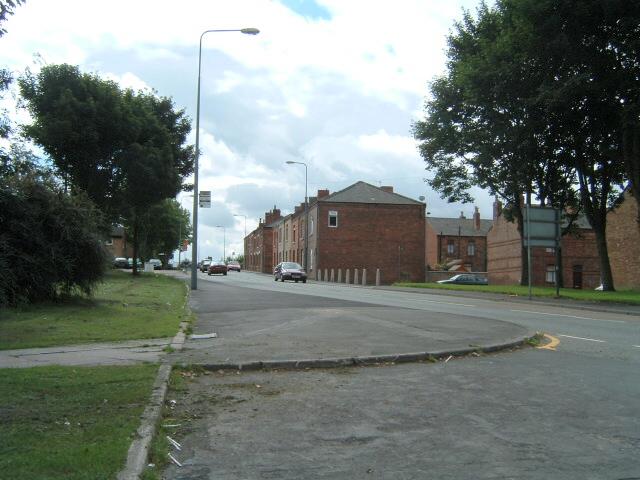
x: 123, y: 307
x: 70, y: 423
x: 623, y: 296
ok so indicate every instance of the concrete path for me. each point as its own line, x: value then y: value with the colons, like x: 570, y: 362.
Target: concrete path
x: 118, y: 353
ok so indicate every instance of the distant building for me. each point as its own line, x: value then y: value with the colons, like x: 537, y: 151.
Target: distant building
x: 117, y: 244
x: 580, y: 261
x: 457, y: 241
x: 258, y: 245
x: 360, y: 227
x: 623, y: 241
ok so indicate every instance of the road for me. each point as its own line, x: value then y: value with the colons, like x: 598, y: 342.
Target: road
x: 572, y: 412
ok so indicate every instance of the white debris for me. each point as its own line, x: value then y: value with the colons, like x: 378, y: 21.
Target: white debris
x: 450, y: 357
x: 204, y: 335
x: 174, y: 443
x: 173, y: 459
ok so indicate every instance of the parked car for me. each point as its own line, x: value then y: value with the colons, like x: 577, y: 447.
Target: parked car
x: 289, y: 271
x: 204, y: 265
x: 120, y: 262
x: 157, y: 264
x: 233, y: 265
x: 466, y: 279
x: 217, y: 267
x: 130, y: 263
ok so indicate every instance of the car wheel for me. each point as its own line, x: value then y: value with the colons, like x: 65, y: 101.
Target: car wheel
x: 275, y: 278
x: 282, y: 279
x: 304, y: 281
x: 296, y: 281
x: 225, y: 273
x: 209, y: 274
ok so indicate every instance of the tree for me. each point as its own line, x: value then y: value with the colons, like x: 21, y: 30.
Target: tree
x: 484, y: 127
x: 7, y: 8
x: 165, y: 225
x: 125, y: 150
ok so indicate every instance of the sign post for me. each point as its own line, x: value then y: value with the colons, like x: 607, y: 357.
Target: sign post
x: 542, y: 229
x: 204, y: 199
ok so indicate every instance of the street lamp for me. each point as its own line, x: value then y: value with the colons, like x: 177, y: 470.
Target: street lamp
x: 306, y: 216
x: 194, y: 246
x: 224, y: 242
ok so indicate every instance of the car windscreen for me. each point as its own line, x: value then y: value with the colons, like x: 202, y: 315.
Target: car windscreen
x: 291, y: 266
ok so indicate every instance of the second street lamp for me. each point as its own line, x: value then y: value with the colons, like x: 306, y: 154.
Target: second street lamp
x: 306, y: 216
x: 194, y: 246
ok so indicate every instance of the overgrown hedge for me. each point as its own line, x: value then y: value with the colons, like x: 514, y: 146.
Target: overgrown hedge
x: 49, y: 243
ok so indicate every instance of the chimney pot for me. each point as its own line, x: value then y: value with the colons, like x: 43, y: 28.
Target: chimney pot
x: 387, y: 188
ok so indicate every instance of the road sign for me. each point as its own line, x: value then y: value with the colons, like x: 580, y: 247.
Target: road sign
x: 205, y: 199
x: 540, y: 226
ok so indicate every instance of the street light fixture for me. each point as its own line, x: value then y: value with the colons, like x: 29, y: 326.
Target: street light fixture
x: 306, y: 216
x: 194, y: 246
x: 224, y: 242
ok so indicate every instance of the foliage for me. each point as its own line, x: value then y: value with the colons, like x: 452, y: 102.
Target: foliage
x: 7, y: 8
x: 534, y: 101
x: 164, y: 227
x: 125, y: 150
x: 49, y: 244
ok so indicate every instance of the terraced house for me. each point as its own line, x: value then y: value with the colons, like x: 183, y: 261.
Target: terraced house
x: 360, y: 227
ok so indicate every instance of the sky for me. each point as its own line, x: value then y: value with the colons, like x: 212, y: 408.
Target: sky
x: 334, y: 84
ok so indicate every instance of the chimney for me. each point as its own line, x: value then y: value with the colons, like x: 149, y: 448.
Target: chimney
x: 299, y: 209
x: 497, y: 209
x: 387, y: 188
x: 272, y: 216
x: 462, y: 215
x: 323, y: 194
x: 476, y: 220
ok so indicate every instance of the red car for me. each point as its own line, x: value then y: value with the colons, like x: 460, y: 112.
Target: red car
x: 217, y: 267
x: 233, y: 265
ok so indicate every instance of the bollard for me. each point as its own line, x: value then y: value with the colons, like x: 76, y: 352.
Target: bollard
x: 355, y: 276
x: 364, y: 276
x: 318, y: 275
x: 347, y: 279
x: 326, y: 275
x: 377, y: 277
x: 339, y: 275
x: 332, y: 277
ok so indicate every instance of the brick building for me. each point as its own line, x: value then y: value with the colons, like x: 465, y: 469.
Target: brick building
x: 364, y: 226
x: 580, y: 264
x: 258, y: 245
x: 461, y: 240
x: 359, y: 227
x: 623, y: 240
x: 117, y: 244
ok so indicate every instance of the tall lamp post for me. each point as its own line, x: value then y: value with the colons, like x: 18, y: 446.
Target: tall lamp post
x: 224, y: 242
x: 306, y: 216
x: 180, y: 234
x: 194, y: 246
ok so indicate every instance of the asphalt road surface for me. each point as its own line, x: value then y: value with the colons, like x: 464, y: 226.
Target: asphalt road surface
x: 568, y: 411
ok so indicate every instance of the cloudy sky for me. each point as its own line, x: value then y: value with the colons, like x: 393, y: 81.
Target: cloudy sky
x: 335, y: 84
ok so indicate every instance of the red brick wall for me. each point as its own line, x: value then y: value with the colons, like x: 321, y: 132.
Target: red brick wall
x: 431, y: 245
x: 504, y: 259
x: 623, y: 241
x: 460, y: 245
x: 371, y: 236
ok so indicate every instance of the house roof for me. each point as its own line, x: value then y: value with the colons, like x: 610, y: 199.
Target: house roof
x: 459, y: 226
x: 362, y: 192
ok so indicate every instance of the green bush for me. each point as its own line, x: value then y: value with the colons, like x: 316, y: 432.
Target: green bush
x: 49, y: 242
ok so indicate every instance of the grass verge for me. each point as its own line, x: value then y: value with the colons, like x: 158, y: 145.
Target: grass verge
x: 624, y: 296
x: 123, y: 307
x: 70, y: 423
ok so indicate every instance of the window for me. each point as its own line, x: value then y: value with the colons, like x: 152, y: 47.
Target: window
x: 286, y: 234
x: 471, y: 249
x: 550, y: 275
x: 109, y: 242
x: 333, y: 218
x: 311, y: 259
x: 294, y: 234
x: 550, y: 250
x: 311, y: 227
x: 451, y: 248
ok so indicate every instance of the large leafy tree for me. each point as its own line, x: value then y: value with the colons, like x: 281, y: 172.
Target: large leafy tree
x: 550, y: 85
x: 484, y: 127
x: 126, y: 150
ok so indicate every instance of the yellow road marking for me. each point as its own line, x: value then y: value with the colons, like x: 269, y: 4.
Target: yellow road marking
x: 553, y: 343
